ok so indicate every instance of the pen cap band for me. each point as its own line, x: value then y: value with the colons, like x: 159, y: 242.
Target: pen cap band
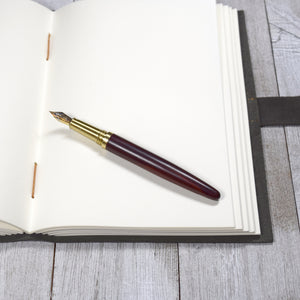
x: 99, y: 136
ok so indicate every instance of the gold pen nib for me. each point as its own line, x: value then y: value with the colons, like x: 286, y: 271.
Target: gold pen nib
x: 61, y: 117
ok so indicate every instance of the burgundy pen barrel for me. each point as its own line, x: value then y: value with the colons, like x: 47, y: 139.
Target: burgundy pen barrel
x: 159, y: 166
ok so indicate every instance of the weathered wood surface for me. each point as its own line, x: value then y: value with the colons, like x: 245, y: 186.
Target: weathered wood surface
x: 190, y: 271
x: 25, y: 270
x: 116, y: 271
x: 253, y: 271
x: 284, y: 20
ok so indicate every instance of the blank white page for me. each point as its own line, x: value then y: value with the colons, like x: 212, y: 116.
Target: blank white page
x: 251, y: 192
x: 24, y: 27
x: 232, y: 144
x: 148, y: 71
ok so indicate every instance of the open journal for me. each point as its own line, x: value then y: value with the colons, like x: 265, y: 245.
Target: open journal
x: 165, y: 74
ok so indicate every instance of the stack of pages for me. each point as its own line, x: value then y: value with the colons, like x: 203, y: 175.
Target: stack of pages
x: 164, y: 74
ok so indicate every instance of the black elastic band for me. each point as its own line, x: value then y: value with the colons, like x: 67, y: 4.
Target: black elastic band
x: 277, y: 111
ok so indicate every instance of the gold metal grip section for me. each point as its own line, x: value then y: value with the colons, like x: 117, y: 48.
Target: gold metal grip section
x: 103, y: 138
x: 99, y: 136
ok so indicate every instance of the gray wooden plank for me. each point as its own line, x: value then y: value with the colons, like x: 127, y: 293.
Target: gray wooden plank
x: 293, y: 143
x: 116, y: 271
x: 25, y: 270
x: 284, y: 20
x: 231, y: 271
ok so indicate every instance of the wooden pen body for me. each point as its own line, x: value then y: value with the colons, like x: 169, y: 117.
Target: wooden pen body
x: 159, y: 166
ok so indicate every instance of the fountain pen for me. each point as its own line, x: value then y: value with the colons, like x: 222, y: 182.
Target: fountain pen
x: 139, y: 156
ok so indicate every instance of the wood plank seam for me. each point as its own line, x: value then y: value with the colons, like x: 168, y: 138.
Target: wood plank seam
x: 282, y: 30
x: 291, y: 177
x: 52, y: 273
x: 272, y: 52
x: 270, y: 23
x: 178, y: 272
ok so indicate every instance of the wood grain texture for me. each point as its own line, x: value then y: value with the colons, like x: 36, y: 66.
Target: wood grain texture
x: 293, y: 143
x: 116, y: 271
x: 253, y: 271
x: 25, y: 270
x: 284, y: 20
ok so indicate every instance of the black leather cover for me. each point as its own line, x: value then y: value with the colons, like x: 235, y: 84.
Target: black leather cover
x: 279, y: 111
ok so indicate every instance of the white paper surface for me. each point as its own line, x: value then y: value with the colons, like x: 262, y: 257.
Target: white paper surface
x: 24, y: 28
x: 149, y: 72
x: 242, y: 103
x: 227, y: 96
x: 237, y: 123
x: 156, y: 84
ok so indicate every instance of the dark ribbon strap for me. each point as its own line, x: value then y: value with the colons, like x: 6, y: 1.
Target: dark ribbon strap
x: 277, y: 111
